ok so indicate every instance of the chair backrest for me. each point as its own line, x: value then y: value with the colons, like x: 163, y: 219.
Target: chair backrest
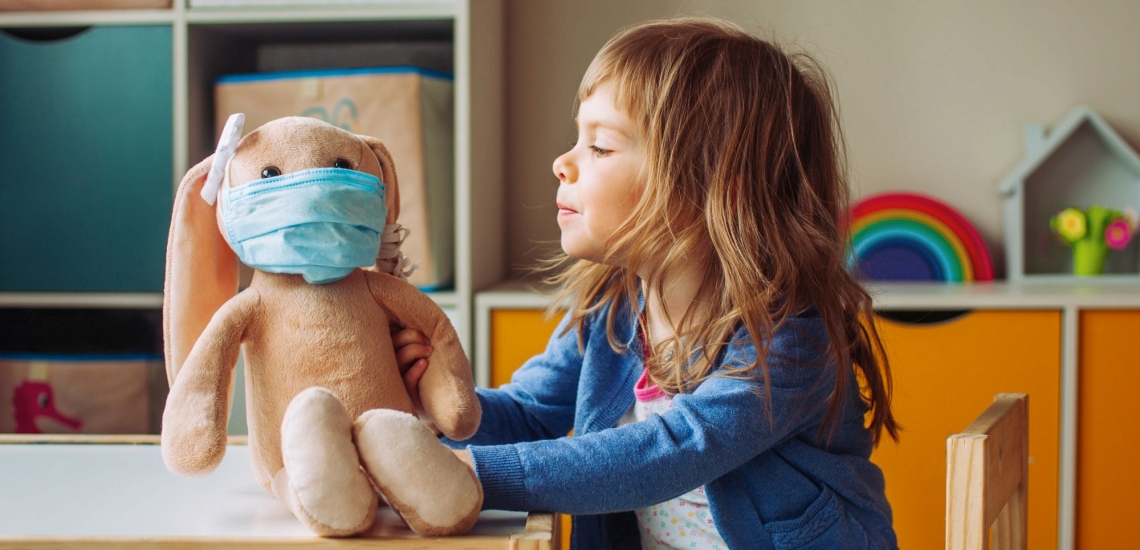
x: 987, y: 468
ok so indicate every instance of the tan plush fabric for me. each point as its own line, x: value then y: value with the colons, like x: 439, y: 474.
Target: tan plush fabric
x: 322, y: 482
x: 296, y: 336
x: 426, y: 484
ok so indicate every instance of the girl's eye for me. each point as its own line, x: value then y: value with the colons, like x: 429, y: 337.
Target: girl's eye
x: 599, y: 151
x: 270, y: 172
x: 341, y: 163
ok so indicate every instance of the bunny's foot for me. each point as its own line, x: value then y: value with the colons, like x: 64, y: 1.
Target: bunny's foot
x: 322, y: 482
x: 423, y: 481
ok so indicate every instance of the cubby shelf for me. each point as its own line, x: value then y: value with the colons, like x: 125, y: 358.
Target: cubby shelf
x: 85, y: 18
x: 507, y: 320
x: 207, y: 42
x: 94, y: 300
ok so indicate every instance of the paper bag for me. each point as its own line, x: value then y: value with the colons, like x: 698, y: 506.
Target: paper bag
x: 76, y: 395
x: 410, y: 110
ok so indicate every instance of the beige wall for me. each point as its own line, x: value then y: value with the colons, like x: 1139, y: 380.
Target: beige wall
x: 934, y: 94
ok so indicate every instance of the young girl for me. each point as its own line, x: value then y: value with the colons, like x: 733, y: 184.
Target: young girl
x: 716, y: 365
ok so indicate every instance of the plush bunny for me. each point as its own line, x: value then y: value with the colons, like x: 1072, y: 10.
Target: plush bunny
x: 330, y: 422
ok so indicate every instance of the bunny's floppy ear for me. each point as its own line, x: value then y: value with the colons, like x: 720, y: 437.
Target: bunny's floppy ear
x: 390, y: 260
x: 201, y: 269
x: 388, y: 176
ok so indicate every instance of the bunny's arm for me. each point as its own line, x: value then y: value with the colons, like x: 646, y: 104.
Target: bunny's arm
x: 447, y: 389
x: 197, y: 409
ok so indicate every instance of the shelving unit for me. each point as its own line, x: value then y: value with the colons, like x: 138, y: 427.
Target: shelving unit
x: 1005, y: 308
x: 209, y: 42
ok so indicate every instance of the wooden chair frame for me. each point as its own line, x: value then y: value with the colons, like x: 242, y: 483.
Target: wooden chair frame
x: 987, y: 468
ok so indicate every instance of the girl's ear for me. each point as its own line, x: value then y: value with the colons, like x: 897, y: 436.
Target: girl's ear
x: 201, y: 269
x: 388, y: 175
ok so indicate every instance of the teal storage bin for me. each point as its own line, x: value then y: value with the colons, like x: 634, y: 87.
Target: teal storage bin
x: 86, y: 160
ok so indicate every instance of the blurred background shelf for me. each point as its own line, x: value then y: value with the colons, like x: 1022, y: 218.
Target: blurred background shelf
x: 85, y: 18
x: 100, y: 300
x: 197, y: 45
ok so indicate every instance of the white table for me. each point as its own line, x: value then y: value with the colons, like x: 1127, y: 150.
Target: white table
x: 108, y: 495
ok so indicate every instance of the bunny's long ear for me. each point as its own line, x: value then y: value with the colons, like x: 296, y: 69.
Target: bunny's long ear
x: 388, y: 175
x: 201, y: 269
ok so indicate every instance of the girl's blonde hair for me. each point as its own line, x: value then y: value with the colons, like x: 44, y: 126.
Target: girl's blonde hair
x: 744, y: 173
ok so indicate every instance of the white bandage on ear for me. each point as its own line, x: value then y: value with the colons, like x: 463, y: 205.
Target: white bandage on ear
x: 227, y: 145
x: 391, y: 260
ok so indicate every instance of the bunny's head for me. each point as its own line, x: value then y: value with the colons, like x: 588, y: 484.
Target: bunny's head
x: 296, y: 195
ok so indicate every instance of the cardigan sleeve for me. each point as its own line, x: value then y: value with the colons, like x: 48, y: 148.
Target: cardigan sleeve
x: 707, y: 433
x: 539, y: 401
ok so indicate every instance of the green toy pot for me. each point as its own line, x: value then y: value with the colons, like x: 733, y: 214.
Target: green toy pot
x: 1088, y: 257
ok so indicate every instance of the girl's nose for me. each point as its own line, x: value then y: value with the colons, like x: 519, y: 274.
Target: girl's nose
x: 564, y: 168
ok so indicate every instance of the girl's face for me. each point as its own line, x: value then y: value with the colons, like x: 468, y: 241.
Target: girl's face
x: 600, y: 177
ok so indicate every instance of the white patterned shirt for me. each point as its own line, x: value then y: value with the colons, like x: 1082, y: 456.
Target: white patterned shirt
x: 683, y: 522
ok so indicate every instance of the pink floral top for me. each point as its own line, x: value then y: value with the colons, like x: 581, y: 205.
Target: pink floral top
x: 685, y: 521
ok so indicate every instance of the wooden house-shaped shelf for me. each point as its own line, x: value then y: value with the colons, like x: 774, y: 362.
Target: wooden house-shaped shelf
x: 1080, y: 162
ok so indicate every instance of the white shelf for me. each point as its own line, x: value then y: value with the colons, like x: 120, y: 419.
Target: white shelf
x: 1065, y: 296
x: 141, y: 300
x: 208, y: 41
x: 1007, y: 295
x: 299, y: 14
x: 86, y: 18
x: 445, y: 299
x: 390, y: 11
x: 94, y: 300
x: 1107, y: 294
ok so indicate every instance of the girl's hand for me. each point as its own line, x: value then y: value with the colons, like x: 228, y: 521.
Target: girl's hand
x: 412, y: 352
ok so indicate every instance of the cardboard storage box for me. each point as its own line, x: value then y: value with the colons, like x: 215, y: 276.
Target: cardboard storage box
x: 77, y: 394
x: 81, y: 371
x: 410, y: 110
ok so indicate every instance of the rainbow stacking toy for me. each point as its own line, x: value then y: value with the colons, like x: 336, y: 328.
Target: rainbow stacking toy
x: 906, y: 236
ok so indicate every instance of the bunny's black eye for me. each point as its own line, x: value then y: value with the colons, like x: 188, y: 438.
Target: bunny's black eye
x: 341, y: 163
x: 270, y: 172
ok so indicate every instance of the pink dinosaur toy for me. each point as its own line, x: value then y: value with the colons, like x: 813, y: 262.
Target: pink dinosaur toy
x: 34, y: 399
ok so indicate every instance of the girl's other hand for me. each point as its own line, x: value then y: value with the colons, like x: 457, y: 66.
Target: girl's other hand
x: 412, y: 352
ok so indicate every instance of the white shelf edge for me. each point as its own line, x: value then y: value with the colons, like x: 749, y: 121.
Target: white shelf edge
x: 85, y: 18
x: 1006, y: 295
x: 145, y: 300
x: 298, y: 14
x: 447, y: 298
x: 130, y: 300
x: 915, y: 296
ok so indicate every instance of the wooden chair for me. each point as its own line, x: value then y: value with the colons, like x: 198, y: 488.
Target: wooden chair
x: 987, y: 467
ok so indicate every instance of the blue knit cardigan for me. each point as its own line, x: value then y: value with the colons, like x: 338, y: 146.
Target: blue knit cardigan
x: 773, y: 482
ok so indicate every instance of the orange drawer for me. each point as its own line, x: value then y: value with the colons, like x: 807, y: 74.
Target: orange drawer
x: 1107, y: 477
x: 518, y: 335
x: 945, y: 375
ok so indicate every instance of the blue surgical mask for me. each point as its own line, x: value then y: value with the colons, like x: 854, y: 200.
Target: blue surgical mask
x: 320, y: 223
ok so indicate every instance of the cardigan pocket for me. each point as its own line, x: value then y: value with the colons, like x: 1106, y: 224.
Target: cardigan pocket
x: 825, y: 524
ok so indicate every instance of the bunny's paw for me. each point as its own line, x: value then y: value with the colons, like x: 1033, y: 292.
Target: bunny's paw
x: 322, y: 482
x: 423, y: 481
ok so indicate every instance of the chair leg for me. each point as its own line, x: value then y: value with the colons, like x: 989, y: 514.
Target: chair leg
x: 1011, y: 526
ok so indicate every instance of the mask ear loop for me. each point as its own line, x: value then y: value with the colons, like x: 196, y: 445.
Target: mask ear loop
x: 390, y: 260
x: 227, y: 146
